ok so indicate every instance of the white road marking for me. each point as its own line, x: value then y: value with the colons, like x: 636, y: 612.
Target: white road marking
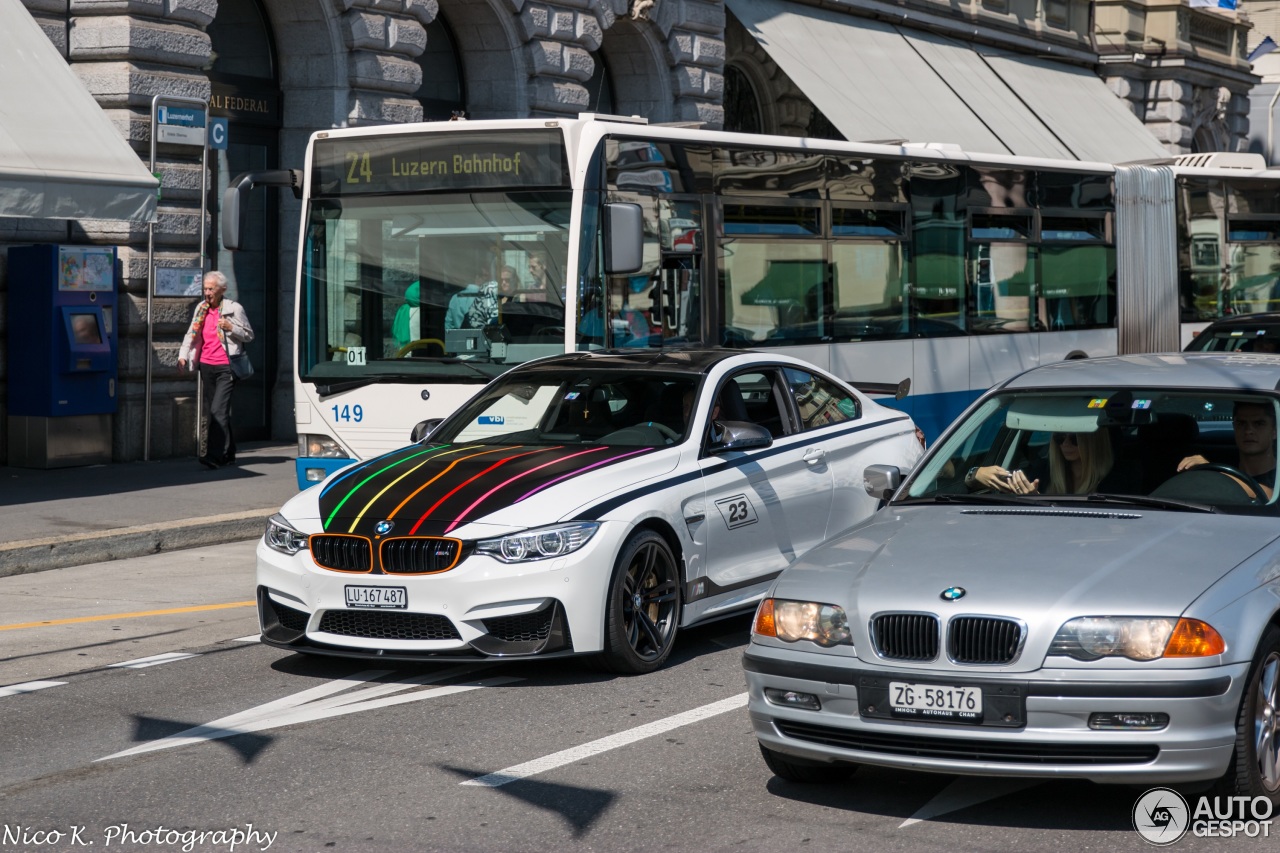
x: 319, y: 703
x: 154, y: 660
x: 968, y: 791
x: 604, y: 744
x: 253, y: 638
x: 28, y: 687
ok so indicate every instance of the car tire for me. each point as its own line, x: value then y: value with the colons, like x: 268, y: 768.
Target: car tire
x: 1258, y: 727
x: 805, y: 772
x: 642, y: 610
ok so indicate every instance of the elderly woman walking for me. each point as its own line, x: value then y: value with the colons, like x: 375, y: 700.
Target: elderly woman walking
x: 215, y: 343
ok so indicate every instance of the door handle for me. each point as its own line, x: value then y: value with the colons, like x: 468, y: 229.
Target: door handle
x: 814, y: 455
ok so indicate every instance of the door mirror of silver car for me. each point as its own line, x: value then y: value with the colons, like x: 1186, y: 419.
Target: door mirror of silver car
x: 423, y: 429
x: 881, y: 481
x: 738, y: 435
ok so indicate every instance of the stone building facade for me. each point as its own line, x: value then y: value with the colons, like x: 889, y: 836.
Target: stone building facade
x: 281, y: 69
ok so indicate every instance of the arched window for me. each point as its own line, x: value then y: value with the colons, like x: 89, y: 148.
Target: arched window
x: 741, y: 104
x: 241, y: 41
x: 600, y: 97
x: 441, y: 93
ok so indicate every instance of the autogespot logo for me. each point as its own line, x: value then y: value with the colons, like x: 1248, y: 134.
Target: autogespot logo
x: 1161, y: 816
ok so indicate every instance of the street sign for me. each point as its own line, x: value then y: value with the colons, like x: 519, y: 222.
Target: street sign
x: 182, y: 116
x: 218, y: 134
x: 180, y: 125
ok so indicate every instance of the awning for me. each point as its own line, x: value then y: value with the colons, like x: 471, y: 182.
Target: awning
x: 60, y: 157
x: 878, y: 82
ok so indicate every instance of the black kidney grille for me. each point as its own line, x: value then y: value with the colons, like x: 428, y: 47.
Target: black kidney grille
x: 525, y: 628
x: 341, y: 553
x: 906, y: 636
x: 388, y: 626
x: 979, y: 639
x: 419, y: 556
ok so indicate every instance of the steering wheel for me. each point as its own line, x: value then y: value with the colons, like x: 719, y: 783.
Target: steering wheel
x: 420, y: 343
x: 667, y: 432
x: 1246, y: 482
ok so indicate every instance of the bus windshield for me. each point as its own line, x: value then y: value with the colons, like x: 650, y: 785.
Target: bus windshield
x: 432, y: 286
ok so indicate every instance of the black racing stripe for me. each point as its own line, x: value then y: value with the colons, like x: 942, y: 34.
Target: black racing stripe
x: 596, y: 511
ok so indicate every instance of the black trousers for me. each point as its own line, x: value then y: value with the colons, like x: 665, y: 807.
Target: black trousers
x: 219, y: 444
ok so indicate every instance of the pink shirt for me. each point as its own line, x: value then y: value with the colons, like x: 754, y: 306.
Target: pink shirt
x: 211, y: 349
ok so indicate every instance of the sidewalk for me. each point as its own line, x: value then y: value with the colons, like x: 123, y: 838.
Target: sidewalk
x: 72, y: 516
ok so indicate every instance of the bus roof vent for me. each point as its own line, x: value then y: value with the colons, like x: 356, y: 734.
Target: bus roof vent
x: 1224, y: 160
x: 607, y: 117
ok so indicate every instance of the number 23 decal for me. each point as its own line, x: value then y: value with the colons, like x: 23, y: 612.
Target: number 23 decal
x: 737, y: 511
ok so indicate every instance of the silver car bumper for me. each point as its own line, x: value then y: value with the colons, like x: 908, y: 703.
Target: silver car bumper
x: 1046, y: 736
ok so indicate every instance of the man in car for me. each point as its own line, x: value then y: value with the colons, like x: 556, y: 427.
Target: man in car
x: 1255, y: 433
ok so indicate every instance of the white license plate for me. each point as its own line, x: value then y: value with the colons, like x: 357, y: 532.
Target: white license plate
x: 378, y: 597
x: 935, y: 701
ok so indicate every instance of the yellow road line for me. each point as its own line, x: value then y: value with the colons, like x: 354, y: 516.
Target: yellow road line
x: 110, y: 616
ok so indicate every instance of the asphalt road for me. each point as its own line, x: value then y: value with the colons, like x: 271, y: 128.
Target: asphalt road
x: 140, y: 713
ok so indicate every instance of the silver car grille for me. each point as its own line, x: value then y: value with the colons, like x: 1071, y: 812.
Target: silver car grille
x: 905, y: 636
x: 983, y: 639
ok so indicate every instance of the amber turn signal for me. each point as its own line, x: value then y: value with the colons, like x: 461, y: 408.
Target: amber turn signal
x: 1192, y: 638
x: 764, y: 620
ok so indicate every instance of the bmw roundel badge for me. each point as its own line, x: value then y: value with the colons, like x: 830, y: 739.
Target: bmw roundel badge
x: 952, y: 593
x: 382, y: 528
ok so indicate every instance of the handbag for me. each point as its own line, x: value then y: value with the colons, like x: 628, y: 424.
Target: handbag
x: 241, y: 367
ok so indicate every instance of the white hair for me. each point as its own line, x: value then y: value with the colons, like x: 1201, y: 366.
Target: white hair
x: 217, y: 278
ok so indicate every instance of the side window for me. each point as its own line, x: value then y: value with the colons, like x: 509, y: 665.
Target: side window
x: 819, y: 401
x: 752, y: 396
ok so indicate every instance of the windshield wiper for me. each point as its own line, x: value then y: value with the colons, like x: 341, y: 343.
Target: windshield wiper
x: 1142, y: 500
x: 331, y: 388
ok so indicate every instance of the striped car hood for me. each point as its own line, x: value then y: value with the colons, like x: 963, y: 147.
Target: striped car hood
x: 431, y: 490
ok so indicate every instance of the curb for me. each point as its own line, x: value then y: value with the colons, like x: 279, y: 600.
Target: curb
x: 77, y: 549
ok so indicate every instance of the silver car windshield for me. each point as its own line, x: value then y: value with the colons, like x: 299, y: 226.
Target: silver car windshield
x: 614, y: 407
x: 1215, y: 451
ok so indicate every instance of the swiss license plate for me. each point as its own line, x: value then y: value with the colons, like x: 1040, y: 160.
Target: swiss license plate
x: 935, y: 701
x: 378, y: 597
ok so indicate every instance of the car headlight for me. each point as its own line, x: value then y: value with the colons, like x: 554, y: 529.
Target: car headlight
x: 320, y: 447
x: 283, y: 537
x: 789, y: 621
x: 539, y: 544
x: 1136, y: 638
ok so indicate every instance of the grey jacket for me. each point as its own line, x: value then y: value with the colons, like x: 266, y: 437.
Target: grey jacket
x: 241, y: 332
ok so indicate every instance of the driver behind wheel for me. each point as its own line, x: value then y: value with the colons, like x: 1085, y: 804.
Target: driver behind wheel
x: 1254, y: 426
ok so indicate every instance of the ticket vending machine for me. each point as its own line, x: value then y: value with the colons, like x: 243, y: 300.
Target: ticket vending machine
x: 62, y: 361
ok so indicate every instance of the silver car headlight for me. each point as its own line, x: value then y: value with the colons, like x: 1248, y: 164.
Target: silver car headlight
x: 789, y: 621
x: 283, y: 537
x: 1136, y: 638
x: 539, y: 544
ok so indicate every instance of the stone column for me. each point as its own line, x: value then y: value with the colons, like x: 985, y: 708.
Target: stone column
x: 384, y: 39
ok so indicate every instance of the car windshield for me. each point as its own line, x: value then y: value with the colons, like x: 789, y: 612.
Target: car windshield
x: 577, y: 406
x: 1167, y: 447
x: 1236, y: 338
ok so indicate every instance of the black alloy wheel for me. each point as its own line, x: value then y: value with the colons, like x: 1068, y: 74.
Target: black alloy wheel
x: 643, y: 609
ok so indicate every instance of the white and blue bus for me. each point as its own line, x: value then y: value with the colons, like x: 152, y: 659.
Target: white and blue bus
x: 435, y: 256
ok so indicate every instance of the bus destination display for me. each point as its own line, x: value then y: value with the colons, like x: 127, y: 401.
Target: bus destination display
x: 439, y: 161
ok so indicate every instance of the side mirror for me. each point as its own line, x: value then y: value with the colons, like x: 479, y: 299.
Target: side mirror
x: 623, y: 238
x: 233, y: 199
x: 423, y: 429
x: 740, y: 435
x: 881, y: 481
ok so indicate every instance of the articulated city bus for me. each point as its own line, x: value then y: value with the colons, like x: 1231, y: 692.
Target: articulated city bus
x: 435, y: 256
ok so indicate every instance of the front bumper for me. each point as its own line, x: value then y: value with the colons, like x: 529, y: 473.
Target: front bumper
x: 482, y: 608
x: 1048, y: 738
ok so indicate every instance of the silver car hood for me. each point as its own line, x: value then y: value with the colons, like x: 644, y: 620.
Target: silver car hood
x: 1042, y: 566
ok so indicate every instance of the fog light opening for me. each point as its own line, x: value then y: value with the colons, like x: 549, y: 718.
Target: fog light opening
x: 1128, y: 721
x: 792, y: 699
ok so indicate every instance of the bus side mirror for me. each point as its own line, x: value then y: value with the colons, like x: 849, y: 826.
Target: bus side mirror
x: 623, y: 238
x: 233, y: 199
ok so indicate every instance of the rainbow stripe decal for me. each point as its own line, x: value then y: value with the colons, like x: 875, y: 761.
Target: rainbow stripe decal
x: 430, y: 491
